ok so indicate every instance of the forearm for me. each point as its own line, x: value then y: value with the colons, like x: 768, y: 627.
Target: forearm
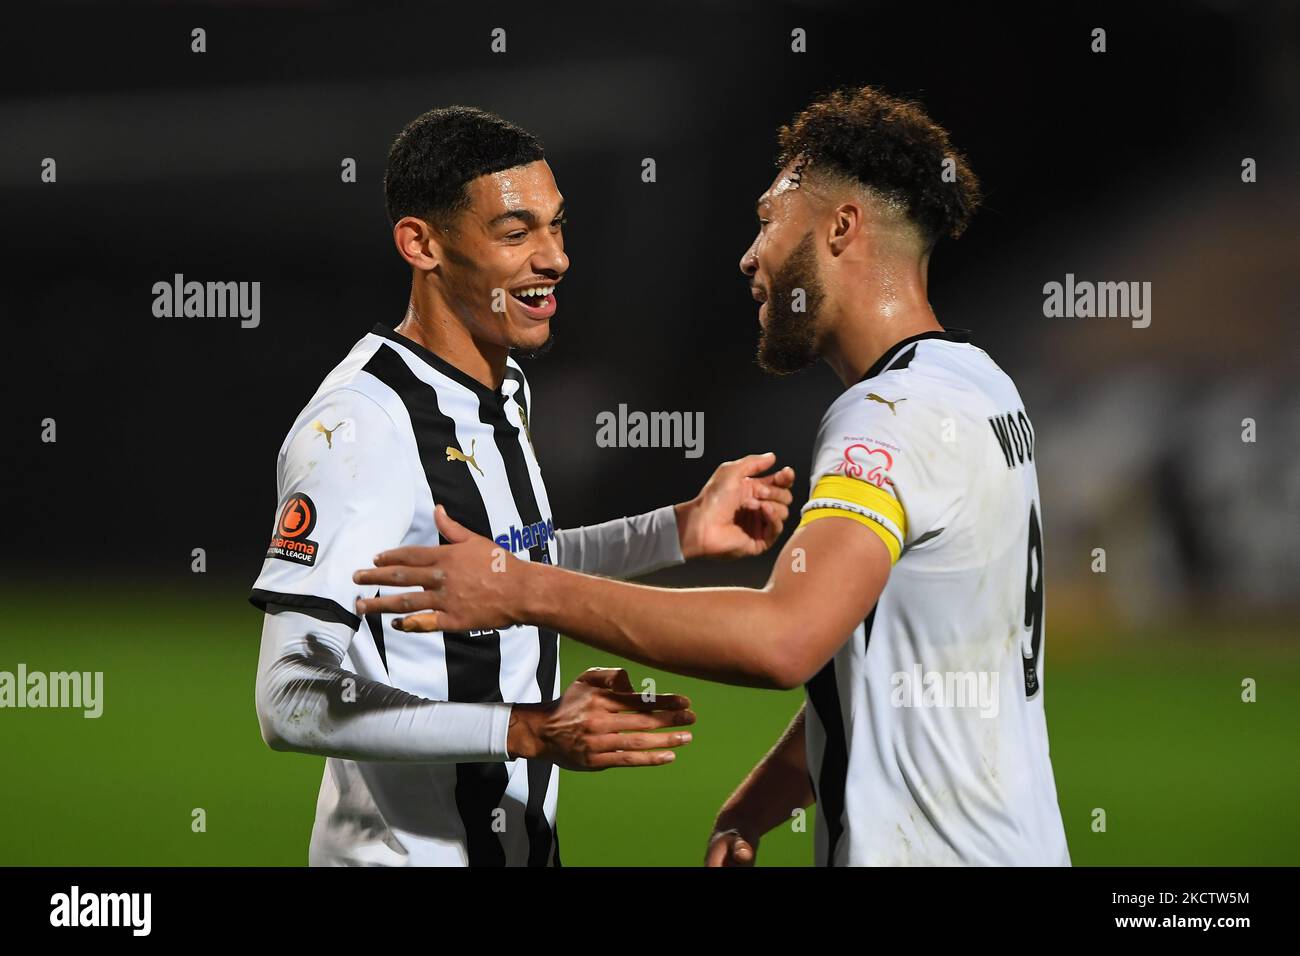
x: 307, y: 703
x: 624, y: 547
x: 774, y: 789
x: 730, y: 635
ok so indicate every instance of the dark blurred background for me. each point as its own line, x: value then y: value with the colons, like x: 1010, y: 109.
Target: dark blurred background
x: 225, y: 166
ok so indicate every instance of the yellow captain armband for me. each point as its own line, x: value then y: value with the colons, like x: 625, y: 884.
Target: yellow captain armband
x: 835, y: 496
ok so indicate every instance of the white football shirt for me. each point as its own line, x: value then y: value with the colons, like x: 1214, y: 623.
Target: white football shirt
x: 393, y: 430
x: 926, y: 734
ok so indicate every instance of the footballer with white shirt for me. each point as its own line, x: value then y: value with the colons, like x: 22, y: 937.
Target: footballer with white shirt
x: 909, y: 603
x: 445, y: 748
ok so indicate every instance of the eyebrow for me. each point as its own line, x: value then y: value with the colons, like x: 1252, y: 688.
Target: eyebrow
x: 761, y: 202
x: 526, y: 216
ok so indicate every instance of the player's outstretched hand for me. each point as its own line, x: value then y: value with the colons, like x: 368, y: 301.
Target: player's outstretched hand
x: 739, y: 512
x: 601, y: 722
x: 729, y: 848
x: 464, y: 580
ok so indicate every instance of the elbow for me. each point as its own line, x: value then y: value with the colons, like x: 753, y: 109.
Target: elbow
x: 783, y: 675
x: 792, y: 662
x: 276, y: 733
x: 778, y: 650
x: 273, y: 734
x: 283, y: 736
x: 273, y: 737
x: 784, y: 668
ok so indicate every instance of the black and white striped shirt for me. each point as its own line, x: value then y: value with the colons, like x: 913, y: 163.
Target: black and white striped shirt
x: 392, y: 431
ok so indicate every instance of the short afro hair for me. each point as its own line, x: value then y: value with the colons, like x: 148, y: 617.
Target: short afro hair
x: 891, y: 146
x: 437, y: 154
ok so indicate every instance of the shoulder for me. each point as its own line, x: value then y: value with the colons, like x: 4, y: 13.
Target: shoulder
x: 934, y: 381
x: 892, y: 404
x: 350, y: 407
x: 911, y: 417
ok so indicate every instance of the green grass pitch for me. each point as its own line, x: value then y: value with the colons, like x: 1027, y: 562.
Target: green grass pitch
x: 1148, y: 726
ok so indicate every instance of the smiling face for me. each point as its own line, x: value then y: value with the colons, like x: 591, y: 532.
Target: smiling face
x: 781, y: 265
x: 510, y: 238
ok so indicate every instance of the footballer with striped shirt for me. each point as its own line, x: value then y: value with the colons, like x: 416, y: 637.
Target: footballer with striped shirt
x: 444, y: 748
x: 909, y: 601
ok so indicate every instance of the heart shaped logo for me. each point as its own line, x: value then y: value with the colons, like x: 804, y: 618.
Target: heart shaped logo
x: 859, y: 461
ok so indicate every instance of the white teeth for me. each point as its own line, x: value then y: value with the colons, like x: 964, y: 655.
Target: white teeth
x: 543, y: 291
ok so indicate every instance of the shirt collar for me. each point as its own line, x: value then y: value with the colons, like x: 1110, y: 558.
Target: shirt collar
x: 508, y: 384
x: 891, y: 353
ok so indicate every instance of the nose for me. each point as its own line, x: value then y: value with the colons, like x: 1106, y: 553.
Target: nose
x: 550, y: 258
x: 749, y: 261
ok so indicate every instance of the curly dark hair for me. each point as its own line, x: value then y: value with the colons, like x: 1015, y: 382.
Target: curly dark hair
x: 891, y: 146
x: 438, y: 153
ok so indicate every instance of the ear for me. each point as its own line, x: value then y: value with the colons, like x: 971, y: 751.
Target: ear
x: 846, y: 224
x: 418, y: 243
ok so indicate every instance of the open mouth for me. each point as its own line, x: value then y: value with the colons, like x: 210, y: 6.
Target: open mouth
x: 537, y: 301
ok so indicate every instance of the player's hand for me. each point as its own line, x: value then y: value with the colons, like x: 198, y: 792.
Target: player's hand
x: 601, y: 722
x: 739, y: 512
x: 466, y: 582
x: 729, y: 848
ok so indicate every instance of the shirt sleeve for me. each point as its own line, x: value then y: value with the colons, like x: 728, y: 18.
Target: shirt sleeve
x: 307, y: 702
x: 346, y: 492
x: 624, y: 547
x: 874, y: 464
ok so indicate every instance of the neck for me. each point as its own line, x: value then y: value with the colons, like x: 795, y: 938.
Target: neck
x: 431, y: 323
x: 891, y: 308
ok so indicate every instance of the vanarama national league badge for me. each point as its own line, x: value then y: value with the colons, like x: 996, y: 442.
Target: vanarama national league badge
x: 290, y: 541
